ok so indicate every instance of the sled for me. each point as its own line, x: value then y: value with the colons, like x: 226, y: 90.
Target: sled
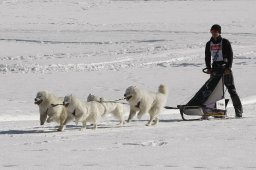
x: 208, y: 101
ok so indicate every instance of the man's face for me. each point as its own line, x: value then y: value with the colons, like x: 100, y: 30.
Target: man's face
x: 215, y: 33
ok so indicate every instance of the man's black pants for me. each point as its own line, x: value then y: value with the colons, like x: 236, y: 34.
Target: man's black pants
x: 229, y: 83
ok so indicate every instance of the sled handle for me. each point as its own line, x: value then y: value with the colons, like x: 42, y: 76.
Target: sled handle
x: 219, y: 71
x: 205, y: 70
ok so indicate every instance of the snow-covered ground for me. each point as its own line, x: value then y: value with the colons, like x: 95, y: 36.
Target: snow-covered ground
x: 104, y: 46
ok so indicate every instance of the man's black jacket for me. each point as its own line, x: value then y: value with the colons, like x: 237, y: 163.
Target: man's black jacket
x: 226, y: 50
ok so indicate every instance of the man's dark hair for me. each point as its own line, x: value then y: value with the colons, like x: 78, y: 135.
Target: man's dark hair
x: 216, y: 27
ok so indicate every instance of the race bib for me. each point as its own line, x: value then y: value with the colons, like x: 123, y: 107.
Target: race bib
x: 216, y: 51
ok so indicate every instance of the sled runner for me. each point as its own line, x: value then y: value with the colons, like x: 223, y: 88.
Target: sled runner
x: 208, y: 101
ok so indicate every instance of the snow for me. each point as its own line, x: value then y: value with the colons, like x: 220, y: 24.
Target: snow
x: 102, y: 47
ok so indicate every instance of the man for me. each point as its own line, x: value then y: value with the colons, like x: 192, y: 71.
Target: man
x: 220, y: 51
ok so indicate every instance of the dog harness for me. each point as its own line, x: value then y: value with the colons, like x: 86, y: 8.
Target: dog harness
x: 138, y: 105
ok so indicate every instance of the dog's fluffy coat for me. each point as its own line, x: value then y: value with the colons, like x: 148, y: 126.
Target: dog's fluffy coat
x: 116, y: 109
x: 84, y: 112
x: 143, y: 101
x: 44, y: 100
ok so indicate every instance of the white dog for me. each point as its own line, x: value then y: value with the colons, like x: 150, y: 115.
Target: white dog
x: 84, y: 111
x: 116, y: 109
x: 146, y: 102
x: 58, y: 113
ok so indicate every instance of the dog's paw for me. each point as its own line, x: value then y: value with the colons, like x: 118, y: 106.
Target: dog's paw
x: 60, y: 129
x: 155, y: 122
x: 48, y: 121
x: 121, y: 123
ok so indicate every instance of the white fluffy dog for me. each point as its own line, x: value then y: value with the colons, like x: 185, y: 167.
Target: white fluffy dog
x: 116, y: 109
x: 84, y: 111
x: 58, y: 113
x: 143, y: 101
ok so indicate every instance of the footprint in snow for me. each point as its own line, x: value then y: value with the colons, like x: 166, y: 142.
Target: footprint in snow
x: 9, y: 166
x: 147, y: 143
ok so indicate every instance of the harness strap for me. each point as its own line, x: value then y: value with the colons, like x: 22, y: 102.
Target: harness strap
x: 113, y: 101
x: 54, y: 105
x: 138, y: 105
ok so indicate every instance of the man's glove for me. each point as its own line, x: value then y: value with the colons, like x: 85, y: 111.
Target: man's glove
x: 227, y: 71
x: 209, y: 71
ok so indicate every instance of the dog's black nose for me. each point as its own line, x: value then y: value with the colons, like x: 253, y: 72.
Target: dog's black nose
x: 35, y: 99
x: 124, y: 95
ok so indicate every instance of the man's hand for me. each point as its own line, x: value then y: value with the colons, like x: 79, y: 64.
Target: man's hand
x: 227, y: 71
x: 209, y: 71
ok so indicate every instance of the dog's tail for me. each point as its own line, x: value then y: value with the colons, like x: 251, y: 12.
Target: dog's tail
x: 163, y: 89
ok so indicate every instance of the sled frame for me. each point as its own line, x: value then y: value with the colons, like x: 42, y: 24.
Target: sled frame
x: 214, y: 112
